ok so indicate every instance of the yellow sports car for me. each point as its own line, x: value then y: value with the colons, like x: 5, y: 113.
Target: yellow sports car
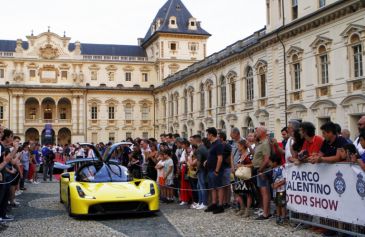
x: 103, y: 186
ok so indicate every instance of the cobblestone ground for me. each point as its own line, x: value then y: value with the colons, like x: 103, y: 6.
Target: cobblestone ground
x: 41, y: 214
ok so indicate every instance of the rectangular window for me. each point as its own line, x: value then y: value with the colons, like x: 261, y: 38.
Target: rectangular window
x: 294, y: 9
x: 173, y: 46
x: 210, y: 99
x: 249, y: 88
x: 2, y: 73
x: 128, y: 135
x: 296, y: 67
x: 128, y: 76
x: 324, y: 69
x: 358, y: 67
x: 145, y: 77
x: 145, y: 135
x: 94, y: 112
x: 145, y: 113
x: 128, y: 113
x: 111, y: 112
x: 94, y: 75
x: 280, y: 7
x: 193, y: 47
x: 112, y: 137
x: 64, y: 75
x: 1, y: 112
x: 322, y: 3
x: 32, y: 74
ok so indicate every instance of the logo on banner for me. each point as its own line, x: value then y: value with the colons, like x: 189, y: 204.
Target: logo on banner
x: 339, y: 184
x: 360, y: 186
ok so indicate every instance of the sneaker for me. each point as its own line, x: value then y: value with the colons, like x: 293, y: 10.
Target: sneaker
x: 219, y: 209
x: 211, y: 208
x: 247, y: 213
x: 7, y: 218
x: 201, y: 207
x: 183, y: 203
x: 261, y: 218
x: 35, y: 182
x: 23, y: 189
x: 194, y: 205
x: 259, y: 212
x: 17, y: 193
x: 240, y: 213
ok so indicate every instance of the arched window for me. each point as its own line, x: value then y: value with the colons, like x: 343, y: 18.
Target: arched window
x: 164, y: 107
x: 185, y: 101
x: 191, y: 100
x: 249, y: 84
x: 171, y: 102
x: 223, y: 92
x: 176, y: 101
x: 202, y: 97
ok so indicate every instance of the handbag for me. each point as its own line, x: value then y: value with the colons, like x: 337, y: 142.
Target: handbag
x: 244, y: 173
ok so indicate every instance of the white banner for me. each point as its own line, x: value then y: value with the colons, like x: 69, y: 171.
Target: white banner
x: 334, y: 191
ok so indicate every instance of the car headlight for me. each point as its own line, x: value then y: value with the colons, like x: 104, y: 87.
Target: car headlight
x: 82, y: 194
x: 152, y: 191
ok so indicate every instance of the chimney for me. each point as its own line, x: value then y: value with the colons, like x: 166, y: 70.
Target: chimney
x: 140, y: 41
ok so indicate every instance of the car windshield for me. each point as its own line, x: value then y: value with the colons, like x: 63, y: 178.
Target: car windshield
x: 100, y: 173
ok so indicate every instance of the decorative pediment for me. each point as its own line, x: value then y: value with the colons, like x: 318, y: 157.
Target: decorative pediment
x: 176, y: 95
x: 353, y: 99
x: 128, y: 101
x: 128, y: 68
x: 174, y: 66
x: 208, y: 83
x: 111, y: 101
x: 176, y: 125
x: 323, y: 103
x: 144, y: 101
x: 145, y: 69
x: 94, y: 101
x: 94, y: 128
x: 294, y: 50
x: 231, y: 74
x: 261, y: 112
x: 64, y: 66
x: 296, y: 107
x: 94, y: 67
x: 209, y: 121
x: 49, y: 52
x: 191, y: 89
x: 231, y: 117
x: 112, y: 127
x: 3, y: 65
x: 321, y: 40
x: 32, y: 66
x: 111, y: 68
x: 261, y: 64
x: 190, y: 123
x: 352, y: 28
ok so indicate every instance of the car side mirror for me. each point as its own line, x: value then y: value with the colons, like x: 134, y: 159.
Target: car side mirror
x: 66, y: 176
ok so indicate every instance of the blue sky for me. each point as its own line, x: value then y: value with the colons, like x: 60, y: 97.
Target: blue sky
x: 123, y: 21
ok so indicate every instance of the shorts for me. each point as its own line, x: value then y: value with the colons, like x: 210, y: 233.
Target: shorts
x: 280, y: 199
x: 161, y: 181
x: 226, y: 177
x: 215, y: 181
x: 169, y: 182
x: 264, y: 181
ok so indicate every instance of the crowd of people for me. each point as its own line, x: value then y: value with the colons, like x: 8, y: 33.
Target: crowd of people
x: 209, y: 173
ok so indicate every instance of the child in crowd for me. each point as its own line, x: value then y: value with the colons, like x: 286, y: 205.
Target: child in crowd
x: 160, y: 176
x: 168, y: 170
x: 278, y: 186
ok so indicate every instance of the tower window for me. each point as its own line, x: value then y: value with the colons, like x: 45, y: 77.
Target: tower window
x: 192, y: 23
x: 173, y: 46
x: 173, y: 22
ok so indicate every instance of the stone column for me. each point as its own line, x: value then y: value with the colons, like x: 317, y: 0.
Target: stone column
x: 81, y: 115
x: 14, y: 122
x: 21, y: 115
x: 74, y: 115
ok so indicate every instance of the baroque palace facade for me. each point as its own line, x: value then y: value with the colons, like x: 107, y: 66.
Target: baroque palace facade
x: 306, y: 64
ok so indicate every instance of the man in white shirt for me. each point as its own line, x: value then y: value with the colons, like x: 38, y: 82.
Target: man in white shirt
x: 361, y: 126
x: 293, y: 126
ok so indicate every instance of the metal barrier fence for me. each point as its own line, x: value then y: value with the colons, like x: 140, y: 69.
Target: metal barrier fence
x: 326, y: 223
